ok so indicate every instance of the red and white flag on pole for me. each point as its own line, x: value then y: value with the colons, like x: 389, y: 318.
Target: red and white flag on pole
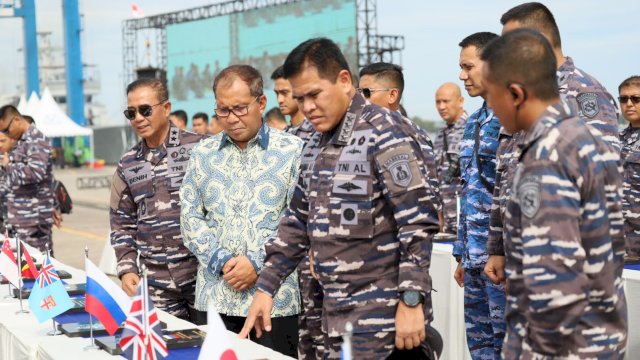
x: 217, y: 345
x: 136, y: 11
x: 8, y: 263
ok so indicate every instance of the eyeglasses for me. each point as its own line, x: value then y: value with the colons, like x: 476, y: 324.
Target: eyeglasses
x: 6, y: 131
x: 144, y: 110
x: 237, y: 110
x: 635, y: 99
x: 366, y: 92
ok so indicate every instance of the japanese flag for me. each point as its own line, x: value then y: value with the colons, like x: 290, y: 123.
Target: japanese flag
x: 217, y: 345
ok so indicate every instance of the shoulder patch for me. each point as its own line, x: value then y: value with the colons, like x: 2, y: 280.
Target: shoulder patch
x: 588, y: 104
x: 529, y: 195
x: 400, y: 168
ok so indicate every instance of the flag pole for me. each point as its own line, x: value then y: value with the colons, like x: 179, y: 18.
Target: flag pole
x: 93, y: 340
x: 55, y: 330
x: 20, y: 282
x: 145, y: 312
x: 6, y: 238
x: 346, y: 350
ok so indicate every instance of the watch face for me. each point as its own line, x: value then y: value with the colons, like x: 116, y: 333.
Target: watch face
x: 411, y: 298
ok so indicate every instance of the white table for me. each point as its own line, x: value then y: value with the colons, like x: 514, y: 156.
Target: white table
x: 448, y: 305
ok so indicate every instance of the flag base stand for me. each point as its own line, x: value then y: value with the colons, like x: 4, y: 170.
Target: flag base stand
x: 55, y: 330
x: 22, y: 311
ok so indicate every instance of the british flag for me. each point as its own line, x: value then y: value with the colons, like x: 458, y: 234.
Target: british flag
x: 141, y: 336
x: 48, y: 273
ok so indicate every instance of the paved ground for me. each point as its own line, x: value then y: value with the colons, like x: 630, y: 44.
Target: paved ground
x: 88, y: 224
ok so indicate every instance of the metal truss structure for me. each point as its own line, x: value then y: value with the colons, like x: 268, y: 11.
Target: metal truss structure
x: 371, y: 46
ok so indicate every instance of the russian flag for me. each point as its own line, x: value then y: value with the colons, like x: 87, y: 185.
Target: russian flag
x: 104, y: 299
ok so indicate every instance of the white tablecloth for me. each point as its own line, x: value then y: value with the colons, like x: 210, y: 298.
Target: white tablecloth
x: 448, y: 305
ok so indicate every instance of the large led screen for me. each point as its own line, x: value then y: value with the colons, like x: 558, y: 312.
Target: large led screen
x: 262, y: 38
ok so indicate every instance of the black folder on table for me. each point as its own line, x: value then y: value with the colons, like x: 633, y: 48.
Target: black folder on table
x: 175, y: 339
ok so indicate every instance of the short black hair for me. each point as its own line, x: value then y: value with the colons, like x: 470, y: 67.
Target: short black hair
x: 161, y: 90
x: 479, y: 40
x: 8, y: 110
x: 246, y: 73
x: 28, y: 119
x: 387, y: 72
x: 201, y: 115
x: 181, y: 115
x: 278, y: 73
x: 630, y: 81
x: 321, y: 53
x: 275, y: 114
x: 523, y: 56
x: 536, y: 16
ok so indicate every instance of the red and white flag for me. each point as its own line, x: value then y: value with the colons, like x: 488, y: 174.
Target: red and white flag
x: 136, y: 11
x: 8, y: 264
x: 217, y: 345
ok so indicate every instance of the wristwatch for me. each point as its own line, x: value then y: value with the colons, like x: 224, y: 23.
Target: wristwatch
x: 412, y: 298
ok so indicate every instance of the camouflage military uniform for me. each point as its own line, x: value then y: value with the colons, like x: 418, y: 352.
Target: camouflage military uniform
x: 564, y: 245
x: 596, y: 106
x: 483, y: 301
x: 311, y: 338
x: 447, y: 150
x: 598, y: 109
x: 145, y: 219
x: 630, y: 156
x: 303, y: 131
x: 508, y: 155
x: 4, y: 192
x: 356, y: 206
x: 30, y: 196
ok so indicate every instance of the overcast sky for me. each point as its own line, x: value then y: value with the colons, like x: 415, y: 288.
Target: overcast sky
x: 599, y: 35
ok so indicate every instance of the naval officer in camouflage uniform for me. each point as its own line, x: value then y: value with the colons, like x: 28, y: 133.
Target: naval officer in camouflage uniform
x: 145, y: 203
x: 596, y: 106
x: 364, y: 207
x: 629, y: 98
x: 564, y: 242
x: 450, y: 106
x: 28, y: 170
x: 483, y: 301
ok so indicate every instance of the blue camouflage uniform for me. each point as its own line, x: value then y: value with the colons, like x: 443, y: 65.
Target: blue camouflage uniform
x: 356, y: 206
x: 483, y: 301
x: 564, y: 244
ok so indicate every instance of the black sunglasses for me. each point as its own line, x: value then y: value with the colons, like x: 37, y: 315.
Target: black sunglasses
x: 366, y: 92
x: 144, y: 110
x: 6, y: 131
x: 624, y: 99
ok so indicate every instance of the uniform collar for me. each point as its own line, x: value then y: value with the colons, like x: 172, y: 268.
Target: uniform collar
x: 630, y: 134
x: 565, y: 69
x: 341, y: 134
x: 173, y: 139
x: 552, y: 115
x: 261, y: 138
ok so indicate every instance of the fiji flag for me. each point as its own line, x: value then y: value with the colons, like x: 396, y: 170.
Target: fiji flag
x: 48, y: 297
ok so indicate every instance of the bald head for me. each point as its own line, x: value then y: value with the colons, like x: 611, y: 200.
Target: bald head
x: 449, y: 102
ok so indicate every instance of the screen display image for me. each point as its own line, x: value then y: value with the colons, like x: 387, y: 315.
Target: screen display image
x: 262, y: 38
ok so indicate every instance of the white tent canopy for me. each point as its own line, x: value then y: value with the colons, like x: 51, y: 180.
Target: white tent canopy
x: 55, y: 123
x: 31, y: 106
x: 52, y: 121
